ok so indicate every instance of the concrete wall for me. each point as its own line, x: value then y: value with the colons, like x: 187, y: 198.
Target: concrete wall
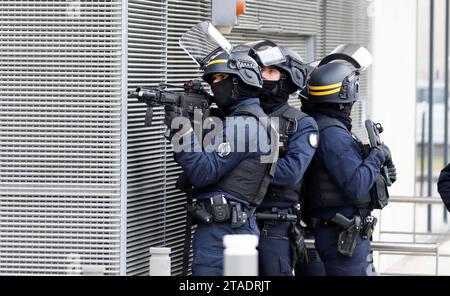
x: 393, y: 103
x: 394, y: 84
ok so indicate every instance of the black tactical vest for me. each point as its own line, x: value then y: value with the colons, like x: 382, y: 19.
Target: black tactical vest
x: 288, y: 126
x: 251, y: 178
x: 321, y: 192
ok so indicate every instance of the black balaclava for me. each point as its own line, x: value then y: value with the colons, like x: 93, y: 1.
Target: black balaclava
x: 230, y: 90
x: 339, y: 111
x: 276, y: 93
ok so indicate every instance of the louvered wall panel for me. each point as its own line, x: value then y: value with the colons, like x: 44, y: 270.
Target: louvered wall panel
x: 294, y: 16
x: 182, y: 15
x: 60, y: 109
x: 320, y: 36
x: 147, y: 38
x: 346, y: 21
x: 250, y: 20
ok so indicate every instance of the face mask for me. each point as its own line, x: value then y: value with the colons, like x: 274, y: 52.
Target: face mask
x: 273, y: 94
x: 223, y: 92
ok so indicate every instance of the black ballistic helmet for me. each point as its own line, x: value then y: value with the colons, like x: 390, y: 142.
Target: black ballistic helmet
x: 268, y: 53
x: 333, y: 83
x: 294, y: 67
x: 236, y: 63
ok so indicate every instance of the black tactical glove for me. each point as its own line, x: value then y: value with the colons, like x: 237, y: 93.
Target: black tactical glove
x: 392, y: 172
x: 387, y: 154
x: 173, y: 112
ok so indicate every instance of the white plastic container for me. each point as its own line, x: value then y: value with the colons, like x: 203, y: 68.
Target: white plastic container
x: 160, y: 262
x: 240, y: 255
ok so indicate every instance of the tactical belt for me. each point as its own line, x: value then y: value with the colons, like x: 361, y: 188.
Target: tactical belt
x: 218, y: 209
x: 294, y: 232
x: 339, y: 220
x: 277, y: 216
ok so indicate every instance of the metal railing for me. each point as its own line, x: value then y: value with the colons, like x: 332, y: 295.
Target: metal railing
x: 404, y: 248
x: 397, y: 248
x: 414, y: 248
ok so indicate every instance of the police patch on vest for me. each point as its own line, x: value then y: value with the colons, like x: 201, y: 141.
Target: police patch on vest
x: 224, y: 150
x: 313, y: 140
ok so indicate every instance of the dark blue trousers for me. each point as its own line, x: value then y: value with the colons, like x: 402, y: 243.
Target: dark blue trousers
x: 208, y: 246
x: 337, y: 264
x: 314, y: 266
x: 275, y: 256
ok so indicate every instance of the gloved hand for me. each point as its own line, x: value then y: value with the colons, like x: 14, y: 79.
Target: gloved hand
x: 183, y: 124
x: 387, y: 154
x: 392, y: 172
x: 173, y: 112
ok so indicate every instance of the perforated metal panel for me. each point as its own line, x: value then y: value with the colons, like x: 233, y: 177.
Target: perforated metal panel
x: 60, y: 104
x: 294, y: 16
x: 182, y: 15
x: 147, y: 205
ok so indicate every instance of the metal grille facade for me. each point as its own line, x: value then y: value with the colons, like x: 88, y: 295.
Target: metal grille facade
x: 60, y: 135
x: 68, y: 188
x: 146, y: 190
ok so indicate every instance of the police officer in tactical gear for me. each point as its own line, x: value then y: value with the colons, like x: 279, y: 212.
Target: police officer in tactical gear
x: 444, y: 186
x: 281, y: 240
x: 229, y: 184
x: 339, y: 179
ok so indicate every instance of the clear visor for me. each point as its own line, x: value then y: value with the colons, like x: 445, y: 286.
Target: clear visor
x: 266, y: 52
x: 355, y: 54
x: 271, y: 56
x: 201, y: 40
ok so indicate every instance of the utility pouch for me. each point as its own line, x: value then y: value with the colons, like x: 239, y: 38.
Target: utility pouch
x: 379, y: 194
x: 298, y: 245
x: 238, y: 215
x: 368, y: 227
x: 219, y: 208
x: 200, y: 214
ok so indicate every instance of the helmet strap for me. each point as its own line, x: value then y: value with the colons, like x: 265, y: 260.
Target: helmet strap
x: 280, y: 85
x: 235, y: 90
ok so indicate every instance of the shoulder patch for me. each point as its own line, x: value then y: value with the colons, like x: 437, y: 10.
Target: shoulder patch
x: 224, y: 150
x: 313, y: 140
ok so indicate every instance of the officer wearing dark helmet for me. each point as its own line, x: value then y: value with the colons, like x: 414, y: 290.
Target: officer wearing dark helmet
x: 339, y: 179
x: 281, y: 242
x: 229, y: 183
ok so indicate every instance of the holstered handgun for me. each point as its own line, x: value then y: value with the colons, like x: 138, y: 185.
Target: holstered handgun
x: 349, y: 235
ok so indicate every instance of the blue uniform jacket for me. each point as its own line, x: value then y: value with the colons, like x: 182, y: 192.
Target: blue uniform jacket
x: 342, y: 158
x: 444, y: 186
x: 209, y: 166
x: 300, y: 151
